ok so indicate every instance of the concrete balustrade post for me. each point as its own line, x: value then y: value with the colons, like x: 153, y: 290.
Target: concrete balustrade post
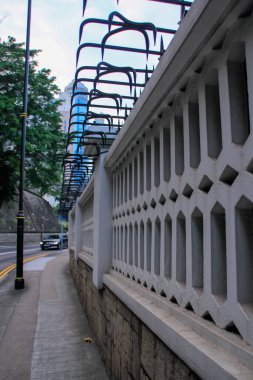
x: 71, y: 227
x: 102, y: 254
x: 78, y: 229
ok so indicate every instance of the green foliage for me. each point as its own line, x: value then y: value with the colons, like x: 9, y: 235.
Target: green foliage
x: 44, y: 138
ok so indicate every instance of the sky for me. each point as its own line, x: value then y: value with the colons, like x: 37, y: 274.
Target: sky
x: 55, y: 28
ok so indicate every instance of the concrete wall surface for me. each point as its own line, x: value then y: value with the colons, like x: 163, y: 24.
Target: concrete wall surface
x: 165, y: 226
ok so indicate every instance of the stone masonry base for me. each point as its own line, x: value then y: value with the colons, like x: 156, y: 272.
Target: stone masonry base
x: 11, y: 238
x: 129, y: 349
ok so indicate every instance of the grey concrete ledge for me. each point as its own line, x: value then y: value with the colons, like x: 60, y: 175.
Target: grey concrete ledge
x: 86, y: 258
x: 209, y: 351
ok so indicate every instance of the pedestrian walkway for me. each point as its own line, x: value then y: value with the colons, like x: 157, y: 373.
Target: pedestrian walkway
x: 43, y: 328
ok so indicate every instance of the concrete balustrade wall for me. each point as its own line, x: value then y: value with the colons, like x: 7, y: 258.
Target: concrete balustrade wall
x: 81, y: 224
x: 165, y: 226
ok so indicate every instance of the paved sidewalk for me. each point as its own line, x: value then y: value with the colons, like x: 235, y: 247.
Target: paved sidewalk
x: 42, y: 328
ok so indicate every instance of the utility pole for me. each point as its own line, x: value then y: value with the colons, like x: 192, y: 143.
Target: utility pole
x: 19, y: 280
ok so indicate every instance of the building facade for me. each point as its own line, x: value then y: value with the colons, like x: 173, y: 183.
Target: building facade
x: 80, y: 101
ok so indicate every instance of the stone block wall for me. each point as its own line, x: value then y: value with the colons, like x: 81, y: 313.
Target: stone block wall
x: 11, y: 238
x: 129, y: 349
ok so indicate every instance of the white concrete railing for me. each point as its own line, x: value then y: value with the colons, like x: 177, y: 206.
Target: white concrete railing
x: 71, y: 230
x: 182, y: 192
x: 84, y: 223
x: 176, y: 215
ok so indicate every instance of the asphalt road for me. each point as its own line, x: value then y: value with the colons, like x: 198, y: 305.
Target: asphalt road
x: 8, y: 253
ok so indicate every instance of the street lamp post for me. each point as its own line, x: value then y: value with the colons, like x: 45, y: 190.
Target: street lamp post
x: 19, y: 280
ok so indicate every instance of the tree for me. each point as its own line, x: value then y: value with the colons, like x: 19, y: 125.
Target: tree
x: 44, y: 138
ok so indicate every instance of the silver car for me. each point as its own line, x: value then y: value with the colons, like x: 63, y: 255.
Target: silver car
x: 54, y: 241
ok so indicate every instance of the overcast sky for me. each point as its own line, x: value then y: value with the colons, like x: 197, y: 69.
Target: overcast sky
x: 55, y: 26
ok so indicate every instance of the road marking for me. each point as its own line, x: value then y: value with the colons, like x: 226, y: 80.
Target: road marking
x: 8, y: 269
x: 25, y: 250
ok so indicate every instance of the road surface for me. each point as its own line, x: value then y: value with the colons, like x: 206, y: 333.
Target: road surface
x: 8, y: 253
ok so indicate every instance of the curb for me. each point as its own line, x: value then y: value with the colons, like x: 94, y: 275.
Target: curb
x: 9, y: 268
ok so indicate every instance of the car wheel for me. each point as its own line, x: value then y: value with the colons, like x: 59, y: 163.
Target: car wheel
x: 42, y: 248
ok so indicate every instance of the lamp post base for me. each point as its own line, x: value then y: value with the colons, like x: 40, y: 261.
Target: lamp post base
x: 19, y: 283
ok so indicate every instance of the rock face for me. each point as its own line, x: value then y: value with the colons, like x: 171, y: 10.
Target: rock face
x: 39, y: 215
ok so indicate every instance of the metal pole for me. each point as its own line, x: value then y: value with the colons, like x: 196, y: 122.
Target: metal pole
x: 19, y: 280
x: 61, y: 232
x: 182, y: 12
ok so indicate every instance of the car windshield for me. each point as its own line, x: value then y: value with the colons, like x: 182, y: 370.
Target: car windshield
x: 52, y: 237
